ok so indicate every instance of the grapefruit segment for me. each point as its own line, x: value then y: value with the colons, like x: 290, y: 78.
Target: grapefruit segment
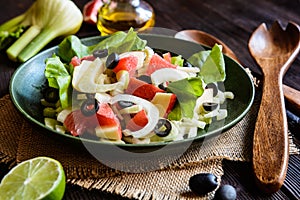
x: 142, y: 89
x: 156, y: 63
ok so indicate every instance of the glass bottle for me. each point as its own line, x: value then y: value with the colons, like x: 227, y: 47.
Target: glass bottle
x: 121, y: 15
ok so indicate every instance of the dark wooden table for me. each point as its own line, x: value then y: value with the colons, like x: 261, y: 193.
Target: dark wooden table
x: 231, y: 21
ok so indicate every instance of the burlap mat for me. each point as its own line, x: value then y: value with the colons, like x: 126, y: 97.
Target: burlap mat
x: 20, y: 140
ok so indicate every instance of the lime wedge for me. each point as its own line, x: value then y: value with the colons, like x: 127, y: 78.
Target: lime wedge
x: 37, y: 178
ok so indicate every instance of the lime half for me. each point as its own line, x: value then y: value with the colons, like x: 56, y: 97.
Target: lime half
x: 37, y: 178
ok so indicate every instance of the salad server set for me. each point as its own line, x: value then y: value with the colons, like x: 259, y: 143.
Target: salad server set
x: 274, y: 50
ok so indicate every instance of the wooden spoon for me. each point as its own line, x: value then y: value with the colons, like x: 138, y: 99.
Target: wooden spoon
x: 205, y: 39
x: 291, y: 95
x: 274, y: 50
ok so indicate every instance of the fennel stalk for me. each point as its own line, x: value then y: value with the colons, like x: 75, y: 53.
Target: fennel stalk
x: 44, y: 21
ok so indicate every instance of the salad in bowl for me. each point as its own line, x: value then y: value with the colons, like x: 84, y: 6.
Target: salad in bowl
x: 121, y: 90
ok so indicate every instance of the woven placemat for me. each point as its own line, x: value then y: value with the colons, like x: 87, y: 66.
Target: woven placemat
x: 21, y: 140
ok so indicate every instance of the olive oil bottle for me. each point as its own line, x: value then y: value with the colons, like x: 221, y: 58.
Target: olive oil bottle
x: 121, y: 15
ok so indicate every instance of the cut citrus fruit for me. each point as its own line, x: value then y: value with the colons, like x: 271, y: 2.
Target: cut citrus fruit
x: 37, y: 178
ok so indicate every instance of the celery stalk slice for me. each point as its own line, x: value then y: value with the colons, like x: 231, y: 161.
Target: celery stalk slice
x: 12, y: 23
x: 39, y: 42
x: 16, y: 48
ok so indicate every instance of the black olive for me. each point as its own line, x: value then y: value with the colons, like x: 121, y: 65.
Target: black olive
x: 89, y: 107
x: 221, y: 86
x: 213, y: 87
x: 187, y: 64
x: 163, y: 128
x: 125, y: 104
x: 161, y: 86
x: 112, y: 61
x: 225, y: 192
x: 51, y: 94
x: 145, y: 78
x: 90, y: 96
x: 203, y: 183
x: 209, y: 106
x: 100, y: 53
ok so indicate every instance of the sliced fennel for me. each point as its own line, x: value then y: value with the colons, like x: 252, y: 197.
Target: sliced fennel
x: 44, y: 21
x: 89, y: 77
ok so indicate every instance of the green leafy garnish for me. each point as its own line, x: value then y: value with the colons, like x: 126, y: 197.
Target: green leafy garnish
x: 118, y: 42
x: 177, y: 60
x: 211, y: 64
x: 7, y: 38
x: 187, y: 91
x: 59, y: 77
x: 199, y: 58
x: 71, y: 46
x: 212, y: 69
x: 121, y: 42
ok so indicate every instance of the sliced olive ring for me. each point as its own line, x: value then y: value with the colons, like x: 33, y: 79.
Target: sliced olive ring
x: 221, y: 86
x: 90, y: 95
x: 163, y: 128
x: 145, y: 78
x: 51, y: 95
x: 100, y: 53
x: 187, y: 64
x: 209, y: 106
x: 213, y: 87
x: 112, y: 61
x: 125, y: 104
x: 89, y: 107
x: 162, y: 86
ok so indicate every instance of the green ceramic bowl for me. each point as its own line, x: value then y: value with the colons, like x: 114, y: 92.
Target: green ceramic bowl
x: 25, y: 88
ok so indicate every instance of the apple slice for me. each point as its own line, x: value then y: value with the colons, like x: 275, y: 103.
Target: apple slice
x: 164, y: 103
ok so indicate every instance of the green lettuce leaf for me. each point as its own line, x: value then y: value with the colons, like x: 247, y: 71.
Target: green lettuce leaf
x: 71, y: 46
x: 187, y: 91
x: 121, y: 42
x: 58, y: 77
x: 211, y: 64
x: 199, y: 58
x: 7, y: 38
x: 177, y: 60
x: 175, y: 114
x: 118, y: 42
